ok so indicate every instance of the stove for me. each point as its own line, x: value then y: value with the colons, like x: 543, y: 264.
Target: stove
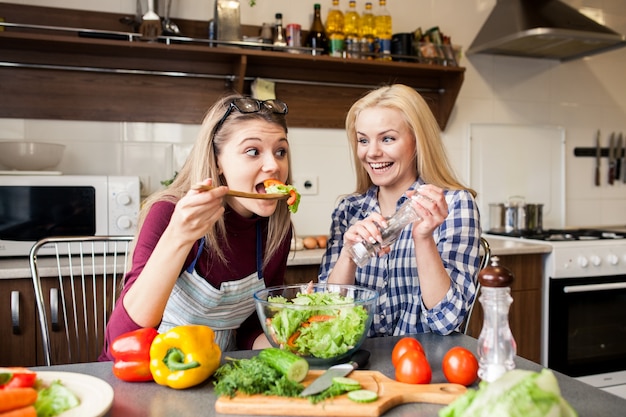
x: 584, y: 299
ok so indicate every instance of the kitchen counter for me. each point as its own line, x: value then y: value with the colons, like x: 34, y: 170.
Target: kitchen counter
x: 150, y: 399
x: 18, y: 267
x: 499, y: 246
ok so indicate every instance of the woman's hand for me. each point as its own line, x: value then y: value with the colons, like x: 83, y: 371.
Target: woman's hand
x: 431, y: 205
x: 198, y: 211
x: 366, y: 229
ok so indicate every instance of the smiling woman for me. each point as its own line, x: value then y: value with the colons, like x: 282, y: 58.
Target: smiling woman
x: 200, y: 243
x: 426, y: 265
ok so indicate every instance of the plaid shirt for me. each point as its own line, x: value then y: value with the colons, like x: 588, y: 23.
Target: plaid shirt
x: 399, y: 309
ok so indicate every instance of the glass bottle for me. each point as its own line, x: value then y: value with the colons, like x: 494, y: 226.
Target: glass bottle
x: 384, y: 31
x: 316, y: 37
x: 496, y: 345
x: 279, y: 31
x: 362, y: 252
x: 351, y: 30
x: 367, y: 29
x: 334, y: 30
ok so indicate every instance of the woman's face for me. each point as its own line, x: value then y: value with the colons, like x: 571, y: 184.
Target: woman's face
x: 256, y: 151
x: 386, y: 147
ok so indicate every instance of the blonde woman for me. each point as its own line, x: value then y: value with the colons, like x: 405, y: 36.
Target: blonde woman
x: 200, y: 255
x: 425, y: 278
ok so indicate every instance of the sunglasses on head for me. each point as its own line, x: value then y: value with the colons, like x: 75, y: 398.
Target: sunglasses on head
x: 252, y: 105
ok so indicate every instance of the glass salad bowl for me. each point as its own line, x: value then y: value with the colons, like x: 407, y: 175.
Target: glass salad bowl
x: 324, y: 323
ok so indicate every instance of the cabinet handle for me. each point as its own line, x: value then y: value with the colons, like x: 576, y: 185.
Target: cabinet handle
x: 54, y: 309
x: 15, y: 312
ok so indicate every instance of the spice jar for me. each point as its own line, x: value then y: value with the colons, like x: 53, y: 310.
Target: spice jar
x: 496, y: 345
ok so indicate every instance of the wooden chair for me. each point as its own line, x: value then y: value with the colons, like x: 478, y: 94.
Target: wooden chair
x: 486, y: 256
x: 76, y: 281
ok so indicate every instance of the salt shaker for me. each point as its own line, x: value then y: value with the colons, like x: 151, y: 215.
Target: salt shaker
x: 496, y: 345
x: 362, y: 252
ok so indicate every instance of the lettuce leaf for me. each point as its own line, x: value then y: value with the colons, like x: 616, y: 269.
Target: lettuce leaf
x: 518, y: 393
x: 285, y: 189
x: 342, y: 329
x: 55, y: 399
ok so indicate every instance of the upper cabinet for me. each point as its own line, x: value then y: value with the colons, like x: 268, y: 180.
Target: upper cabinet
x: 64, y: 74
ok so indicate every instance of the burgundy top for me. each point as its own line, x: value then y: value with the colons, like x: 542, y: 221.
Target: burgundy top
x: 240, y: 251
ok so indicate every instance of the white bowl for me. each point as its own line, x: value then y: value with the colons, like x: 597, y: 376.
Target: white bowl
x: 30, y: 156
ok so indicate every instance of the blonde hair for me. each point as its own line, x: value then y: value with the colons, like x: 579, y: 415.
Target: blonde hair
x: 432, y: 163
x: 202, y: 163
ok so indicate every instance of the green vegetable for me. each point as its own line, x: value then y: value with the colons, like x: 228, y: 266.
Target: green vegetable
x: 330, y: 330
x: 253, y: 376
x: 334, y: 390
x: 294, y: 200
x: 348, y: 384
x: 55, y: 399
x: 292, y: 366
x: 362, y: 396
x: 517, y: 393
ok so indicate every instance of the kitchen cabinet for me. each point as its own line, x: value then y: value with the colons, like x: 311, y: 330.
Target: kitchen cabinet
x: 18, y: 323
x: 46, y: 74
x: 21, y: 344
x: 300, y: 274
x: 525, y: 311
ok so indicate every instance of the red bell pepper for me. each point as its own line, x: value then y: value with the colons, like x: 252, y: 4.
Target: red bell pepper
x: 17, y: 377
x: 131, y: 352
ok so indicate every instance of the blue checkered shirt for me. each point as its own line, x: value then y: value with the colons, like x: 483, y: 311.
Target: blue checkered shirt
x: 400, y: 309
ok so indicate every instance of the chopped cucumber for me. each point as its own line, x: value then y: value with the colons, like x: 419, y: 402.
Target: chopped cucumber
x: 362, y: 396
x: 294, y: 367
x: 347, y: 384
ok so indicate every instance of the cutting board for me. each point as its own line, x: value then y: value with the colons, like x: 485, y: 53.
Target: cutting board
x: 390, y: 394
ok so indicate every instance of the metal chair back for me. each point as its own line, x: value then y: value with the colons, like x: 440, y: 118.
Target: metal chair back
x: 77, y: 281
x: 484, y: 261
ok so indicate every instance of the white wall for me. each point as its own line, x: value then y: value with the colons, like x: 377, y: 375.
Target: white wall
x: 580, y: 96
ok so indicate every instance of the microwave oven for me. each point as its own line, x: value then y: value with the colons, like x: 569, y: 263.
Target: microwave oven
x: 33, y: 207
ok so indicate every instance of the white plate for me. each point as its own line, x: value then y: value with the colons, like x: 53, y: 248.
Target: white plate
x: 15, y: 172
x: 95, y: 395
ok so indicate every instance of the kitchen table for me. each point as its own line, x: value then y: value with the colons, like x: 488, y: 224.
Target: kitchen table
x: 150, y: 399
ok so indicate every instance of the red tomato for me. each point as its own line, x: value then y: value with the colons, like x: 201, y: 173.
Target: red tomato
x: 413, y: 368
x: 17, y: 377
x: 460, y: 366
x: 402, y: 346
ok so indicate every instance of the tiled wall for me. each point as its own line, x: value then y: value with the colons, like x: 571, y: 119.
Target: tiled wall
x: 580, y: 96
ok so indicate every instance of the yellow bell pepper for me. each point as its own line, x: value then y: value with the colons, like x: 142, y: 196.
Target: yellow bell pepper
x: 184, y: 356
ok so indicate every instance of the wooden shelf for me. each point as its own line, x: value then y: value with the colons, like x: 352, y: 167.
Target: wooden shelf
x: 60, y: 75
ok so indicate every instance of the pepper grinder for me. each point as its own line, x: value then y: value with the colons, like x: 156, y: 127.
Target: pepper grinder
x: 362, y: 252
x: 496, y: 345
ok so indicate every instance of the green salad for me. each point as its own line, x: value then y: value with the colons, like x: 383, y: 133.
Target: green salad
x: 332, y: 328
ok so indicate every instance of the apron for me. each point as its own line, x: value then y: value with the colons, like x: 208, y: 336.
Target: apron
x: 194, y: 300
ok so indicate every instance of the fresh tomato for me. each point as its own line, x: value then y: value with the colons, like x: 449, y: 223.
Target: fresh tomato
x: 460, y: 366
x: 17, y: 377
x: 413, y: 368
x: 272, y: 181
x: 293, y: 196
x: 402, y: 346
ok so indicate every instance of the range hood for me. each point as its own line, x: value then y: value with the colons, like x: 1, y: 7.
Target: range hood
x: 546, y: 29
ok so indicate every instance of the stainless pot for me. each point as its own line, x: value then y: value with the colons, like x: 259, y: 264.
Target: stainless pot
x: 515, y: 216
x: 496, y: 217
x: 534, y: 217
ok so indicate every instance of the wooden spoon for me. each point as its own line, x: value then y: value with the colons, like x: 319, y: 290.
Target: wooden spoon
x: 203, y: 187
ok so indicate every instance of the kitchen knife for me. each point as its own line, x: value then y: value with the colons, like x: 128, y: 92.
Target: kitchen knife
x: 618, y: 158
x: 623, y: 161
x: 598, y: 158
x: 358, y: 360
x: 612, y: 159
